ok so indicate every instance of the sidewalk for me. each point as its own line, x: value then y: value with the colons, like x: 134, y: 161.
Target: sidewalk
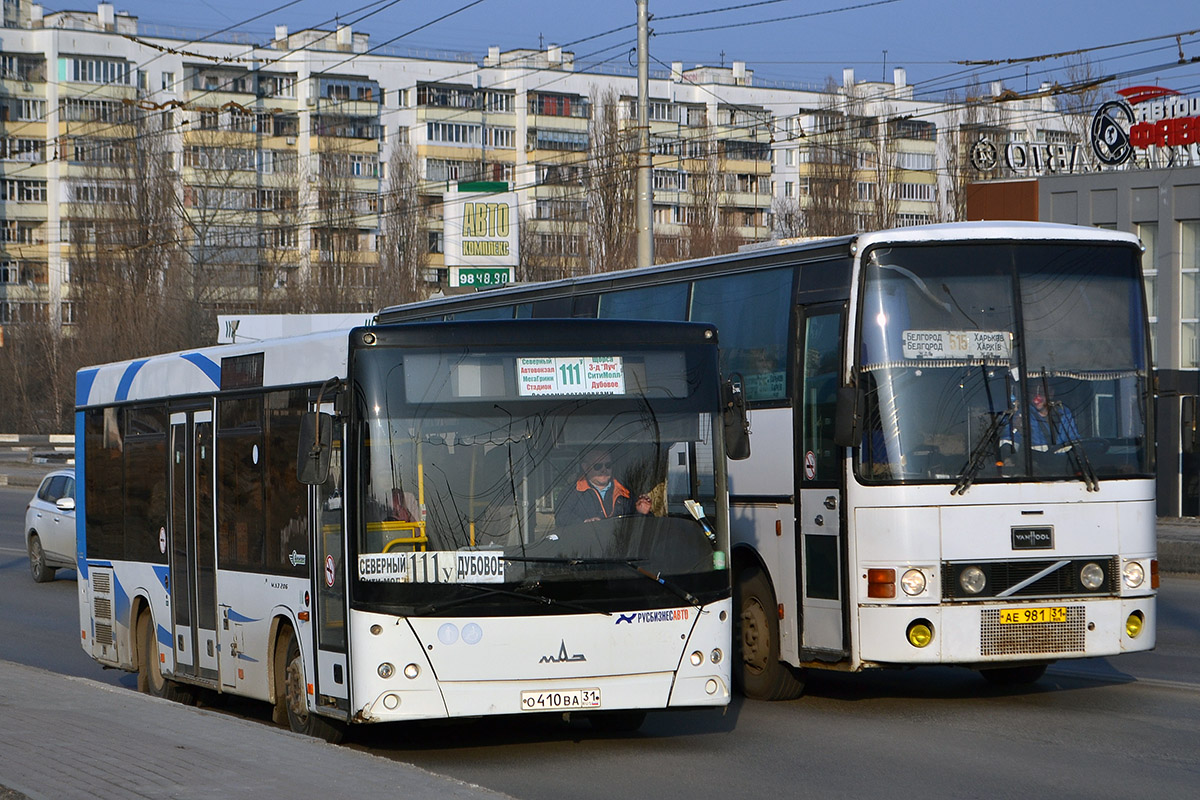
x: 63, y: 737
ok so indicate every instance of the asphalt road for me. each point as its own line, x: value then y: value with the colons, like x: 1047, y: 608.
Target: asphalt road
x: 1126, y: 726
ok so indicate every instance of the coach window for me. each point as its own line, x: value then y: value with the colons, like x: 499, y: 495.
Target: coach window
x: 751, y: 311
x: 286, y: 497
x: 662, y: 303
x: 145, y: 487
x: 103, y: 468
x: 240, y: 462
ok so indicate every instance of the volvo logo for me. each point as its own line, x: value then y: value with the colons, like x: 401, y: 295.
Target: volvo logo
x: 562, y: 657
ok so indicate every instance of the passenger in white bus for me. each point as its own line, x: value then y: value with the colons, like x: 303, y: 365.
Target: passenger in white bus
x: 597, y: 495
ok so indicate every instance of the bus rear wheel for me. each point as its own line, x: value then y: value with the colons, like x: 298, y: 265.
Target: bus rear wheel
x: 295, y: 698
x: 1014, y: 676
x: 758, y: 671
x: 150, y: 677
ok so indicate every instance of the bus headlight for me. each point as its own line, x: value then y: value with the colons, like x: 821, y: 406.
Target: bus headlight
x: 386, y: 670
x: 1133, y: 574
x: 913, y: 581
x: 1091, y: 576
x: 972, y: 580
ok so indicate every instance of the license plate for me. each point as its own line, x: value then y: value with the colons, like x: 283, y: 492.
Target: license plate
x: 1027, y: 616
x: 563, y: 700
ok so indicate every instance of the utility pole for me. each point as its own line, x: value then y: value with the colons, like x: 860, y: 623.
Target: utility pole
x: 645, y: 192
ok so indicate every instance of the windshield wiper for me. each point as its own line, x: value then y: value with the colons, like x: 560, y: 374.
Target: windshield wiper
x: 491, y: 591
x: 632, y: 563
x: 986, y: 442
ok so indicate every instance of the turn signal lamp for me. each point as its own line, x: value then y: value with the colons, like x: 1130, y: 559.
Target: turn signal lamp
x: 881, y: 583
x: 1154, y: 574
x: 1133, y: 624
x: 920, y: 632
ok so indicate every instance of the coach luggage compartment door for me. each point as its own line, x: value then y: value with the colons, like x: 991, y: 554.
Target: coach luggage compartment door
x: 821, y: 553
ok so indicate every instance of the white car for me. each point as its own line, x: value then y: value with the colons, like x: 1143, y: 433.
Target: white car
x: 50, y: 525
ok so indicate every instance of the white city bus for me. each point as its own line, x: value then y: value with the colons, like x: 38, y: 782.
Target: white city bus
x: 368, y: 525
x: 905, y: 501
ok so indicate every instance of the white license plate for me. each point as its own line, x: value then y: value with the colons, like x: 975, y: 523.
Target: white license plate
x: 563, y: 700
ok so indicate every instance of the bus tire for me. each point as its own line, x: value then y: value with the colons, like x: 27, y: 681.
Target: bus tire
x: 1014, y: 676
x: 295, y: 695
x: 42, y: 573
x: 616, y: 721
x: 758, y: 672
x: 150, y: 678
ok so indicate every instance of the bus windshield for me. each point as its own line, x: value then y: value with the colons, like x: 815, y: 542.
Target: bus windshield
x: 491, y: 479
x: 1003, y: 362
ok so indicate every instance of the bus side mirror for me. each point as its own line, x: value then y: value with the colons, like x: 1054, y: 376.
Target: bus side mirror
x: 1188, y: 432
x: 316, y: 443
x: 736, y: 419
x: 847, y: 424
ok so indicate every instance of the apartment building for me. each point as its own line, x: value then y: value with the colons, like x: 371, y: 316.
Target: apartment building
x: 276, y: 154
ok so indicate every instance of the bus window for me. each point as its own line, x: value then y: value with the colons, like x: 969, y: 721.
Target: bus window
x: 495, y: 312
x: 751, y: 312
x: 668, y: 303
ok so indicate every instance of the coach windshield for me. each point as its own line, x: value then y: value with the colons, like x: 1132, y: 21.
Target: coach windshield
x: 989, y: 362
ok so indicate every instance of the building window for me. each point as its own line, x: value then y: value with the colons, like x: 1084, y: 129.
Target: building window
x: 1189, y: 271
x: 1148, y: 233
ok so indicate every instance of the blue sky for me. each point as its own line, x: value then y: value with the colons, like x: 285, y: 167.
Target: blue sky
x: 927, y: 37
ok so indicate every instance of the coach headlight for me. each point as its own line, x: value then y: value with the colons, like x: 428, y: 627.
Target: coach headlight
x: 1134, y: 574
x: 913, y: 581
x: 972, y: 580
x: 1091, y: 576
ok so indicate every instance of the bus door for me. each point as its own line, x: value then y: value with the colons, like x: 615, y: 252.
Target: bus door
x: 330, y: 576
x: 193, y: 546
x: 821, y: 552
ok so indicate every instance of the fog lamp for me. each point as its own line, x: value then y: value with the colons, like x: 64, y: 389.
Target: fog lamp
x: 1092, y: 576
x: 920, y: 632
x: 1134, y: 624
x: 711, y: 686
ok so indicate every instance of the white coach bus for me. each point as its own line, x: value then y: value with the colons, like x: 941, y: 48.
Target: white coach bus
x: 374, y: 525
x: 952, y: 442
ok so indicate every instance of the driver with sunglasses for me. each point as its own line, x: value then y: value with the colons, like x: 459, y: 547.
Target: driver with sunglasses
x: 597, y: 495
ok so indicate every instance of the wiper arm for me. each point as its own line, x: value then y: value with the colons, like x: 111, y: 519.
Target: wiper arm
x: 490, y: 591
x: 1083, y: 464
x: 632, y: 563
x: 986, y: 442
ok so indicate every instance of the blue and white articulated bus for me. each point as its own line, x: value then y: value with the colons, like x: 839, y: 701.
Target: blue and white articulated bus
x: 376, y: 524
x: 952, y: 441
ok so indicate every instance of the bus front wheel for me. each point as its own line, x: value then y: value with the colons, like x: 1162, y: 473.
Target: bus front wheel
x: 295, y: 689
x: 758, y: 671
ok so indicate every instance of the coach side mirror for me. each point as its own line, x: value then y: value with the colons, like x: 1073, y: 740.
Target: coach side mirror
x: 315, y: 446
x: 847, y: 424
x: 736, y: 419
x: 1188, y: 425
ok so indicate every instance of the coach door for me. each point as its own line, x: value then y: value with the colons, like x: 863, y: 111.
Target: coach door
x: 821, y: 552
x: 193, y: 545
x: 333, y: 674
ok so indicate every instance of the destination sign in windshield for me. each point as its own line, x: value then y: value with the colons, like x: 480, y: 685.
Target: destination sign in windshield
x: 958, y: 344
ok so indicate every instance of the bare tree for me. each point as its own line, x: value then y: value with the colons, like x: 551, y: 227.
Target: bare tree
x: 788, y: 218
x: 403, y: 246
x: 611, y: 187
x: 833, y: 153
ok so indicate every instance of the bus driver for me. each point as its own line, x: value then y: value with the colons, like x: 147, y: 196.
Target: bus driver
x: 597, y: 495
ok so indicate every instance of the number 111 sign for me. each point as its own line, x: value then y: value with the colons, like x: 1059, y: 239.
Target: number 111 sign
x: 570, y: 375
